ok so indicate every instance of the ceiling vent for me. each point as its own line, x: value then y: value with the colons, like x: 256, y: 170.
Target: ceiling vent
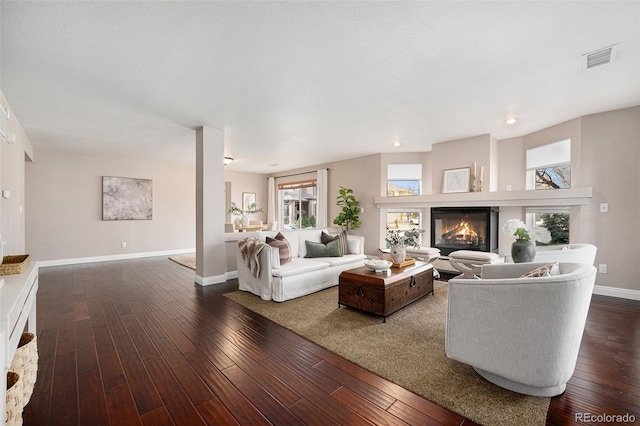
x: 599, y: 57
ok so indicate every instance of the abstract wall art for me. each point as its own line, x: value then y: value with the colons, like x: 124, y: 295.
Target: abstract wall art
x: 127, y: 198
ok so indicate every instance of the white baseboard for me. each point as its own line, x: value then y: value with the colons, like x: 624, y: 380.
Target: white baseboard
x: 59, y: 262
x: 617, y: 292
x: 216, y: 279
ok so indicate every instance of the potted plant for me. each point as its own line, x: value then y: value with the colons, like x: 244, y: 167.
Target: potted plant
x: 398, y: 239
x: 349, y: 215
x: 237, y: 211
x: 253, y: 208
x: 234, y: 210
x: 523, y: 248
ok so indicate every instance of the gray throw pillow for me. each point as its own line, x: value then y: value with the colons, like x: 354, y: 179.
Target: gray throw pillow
x: 344, y: 247
x: 331, y: 249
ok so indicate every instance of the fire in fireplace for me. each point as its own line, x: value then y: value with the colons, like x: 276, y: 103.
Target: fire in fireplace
x: 464, y: 228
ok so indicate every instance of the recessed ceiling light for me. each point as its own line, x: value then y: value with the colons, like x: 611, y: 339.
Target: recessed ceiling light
x: 511, y: 120
x: 396, y: 143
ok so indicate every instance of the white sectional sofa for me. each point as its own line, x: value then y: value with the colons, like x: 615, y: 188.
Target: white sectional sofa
x: 301, y: 275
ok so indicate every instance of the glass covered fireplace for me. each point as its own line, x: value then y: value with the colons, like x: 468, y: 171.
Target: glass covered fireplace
x: 464, y: 228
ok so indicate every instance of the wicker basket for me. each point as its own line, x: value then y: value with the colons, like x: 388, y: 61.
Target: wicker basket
x: 25, y: 363
x: 14, y: 264
x: 14, y: 399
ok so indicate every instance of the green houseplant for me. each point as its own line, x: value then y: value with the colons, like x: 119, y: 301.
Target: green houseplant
x: 349, y: 215
x: 234, y: 210
x: 252, y: 208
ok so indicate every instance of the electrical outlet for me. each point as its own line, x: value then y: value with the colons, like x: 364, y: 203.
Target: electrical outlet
x: 602, y: 268
x: 123, y: 244
x: 604, y: 207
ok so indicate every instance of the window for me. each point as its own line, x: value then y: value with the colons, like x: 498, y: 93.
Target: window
x: 558, y: 177
x: 404, y: 219
x: 556, y: 220
x: 298, y: 204
x: 549, y: 166
x: 404, y: 179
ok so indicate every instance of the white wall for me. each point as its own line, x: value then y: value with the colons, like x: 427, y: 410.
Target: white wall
x: 462, y: 153
x: 64, y: 207
x: 610, y: 157
x: 12, y: 166
x: 362, y: 175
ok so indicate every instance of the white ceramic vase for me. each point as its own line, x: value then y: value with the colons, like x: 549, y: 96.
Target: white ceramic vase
x: 245, y: 221
x: 398, y: 254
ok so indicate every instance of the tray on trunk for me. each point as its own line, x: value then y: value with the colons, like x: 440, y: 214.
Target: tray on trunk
x: 407, y: 262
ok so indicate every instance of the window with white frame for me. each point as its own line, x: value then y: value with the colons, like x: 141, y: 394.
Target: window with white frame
x: 555, y: 219
x: 404, y: 179
x: 549, y: 166
x: 404, y: 219
x: 298, y: 204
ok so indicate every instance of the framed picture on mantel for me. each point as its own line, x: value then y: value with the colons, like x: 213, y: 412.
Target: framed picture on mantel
x: 455, y: 180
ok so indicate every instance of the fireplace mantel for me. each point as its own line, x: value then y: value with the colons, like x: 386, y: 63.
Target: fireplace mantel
x: 556, y: 197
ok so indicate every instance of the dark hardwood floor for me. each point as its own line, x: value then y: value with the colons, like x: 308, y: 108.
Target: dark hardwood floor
x: 137, y: 342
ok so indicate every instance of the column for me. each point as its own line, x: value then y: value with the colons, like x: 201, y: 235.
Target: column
x: 210, y: 209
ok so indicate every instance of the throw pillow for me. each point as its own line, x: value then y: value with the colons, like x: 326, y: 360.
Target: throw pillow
x: 326, y: 238
x: 331, y: 249
x: 283, y: 246
x: 542, y: 271
x: 344, y: 247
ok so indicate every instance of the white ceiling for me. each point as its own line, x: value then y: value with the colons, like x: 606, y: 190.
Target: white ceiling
x: 303, y: 83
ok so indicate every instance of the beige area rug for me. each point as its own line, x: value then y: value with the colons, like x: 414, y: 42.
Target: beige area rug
x: 407, y: 350
x: 188, y: 260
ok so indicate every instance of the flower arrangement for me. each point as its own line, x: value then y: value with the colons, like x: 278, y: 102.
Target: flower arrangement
x: 403, y: 238
x: 523, y: 233
x: 237, y: 211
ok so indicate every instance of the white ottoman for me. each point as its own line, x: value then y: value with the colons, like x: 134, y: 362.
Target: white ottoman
x: 470, y: 262
x: 426, y: 254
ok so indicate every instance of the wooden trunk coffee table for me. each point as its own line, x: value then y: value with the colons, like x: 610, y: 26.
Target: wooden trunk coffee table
x: 383, y: 293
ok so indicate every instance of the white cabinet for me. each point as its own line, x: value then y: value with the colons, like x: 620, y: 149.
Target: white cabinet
x: 17, y: 310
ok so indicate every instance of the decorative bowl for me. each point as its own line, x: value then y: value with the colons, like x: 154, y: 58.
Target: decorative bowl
x: 378, y: 264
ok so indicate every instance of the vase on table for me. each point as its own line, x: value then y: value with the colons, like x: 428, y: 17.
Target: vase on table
x: 245, y: 221
x: 523, y: 251
x: 398, y: 254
